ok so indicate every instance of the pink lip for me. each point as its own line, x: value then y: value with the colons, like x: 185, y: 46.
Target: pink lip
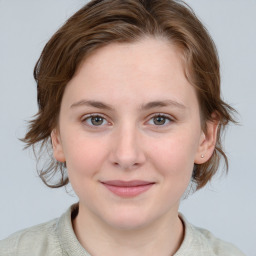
x: 127, y: 188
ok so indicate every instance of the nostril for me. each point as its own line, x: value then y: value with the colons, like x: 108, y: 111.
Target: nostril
x: 126, y: 166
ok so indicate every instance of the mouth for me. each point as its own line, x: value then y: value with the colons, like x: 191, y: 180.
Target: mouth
x: 127, y: 188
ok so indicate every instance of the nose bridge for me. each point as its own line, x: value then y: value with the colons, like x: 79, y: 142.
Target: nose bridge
x: 127, y: 152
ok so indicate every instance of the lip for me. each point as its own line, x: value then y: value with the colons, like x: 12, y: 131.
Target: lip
x: 127, y: 188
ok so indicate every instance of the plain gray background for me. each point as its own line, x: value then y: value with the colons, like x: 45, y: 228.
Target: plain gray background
x: 227, y: 206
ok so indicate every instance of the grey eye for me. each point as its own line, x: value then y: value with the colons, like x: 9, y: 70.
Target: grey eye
x: 159, y: 120
x: 97, y: 120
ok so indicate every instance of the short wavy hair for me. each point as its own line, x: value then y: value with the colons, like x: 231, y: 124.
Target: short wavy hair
x: 102, y: 22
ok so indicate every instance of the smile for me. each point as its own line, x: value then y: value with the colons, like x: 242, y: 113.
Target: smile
x: 127, y: 188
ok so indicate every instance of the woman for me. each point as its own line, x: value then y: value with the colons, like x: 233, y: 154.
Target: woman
x: 129, y: 101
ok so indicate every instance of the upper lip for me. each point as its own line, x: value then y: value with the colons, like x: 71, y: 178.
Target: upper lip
x: 132, y: 183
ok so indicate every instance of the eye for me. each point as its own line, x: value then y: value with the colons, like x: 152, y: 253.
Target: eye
x: 160, y: 120
x: 94, y: 120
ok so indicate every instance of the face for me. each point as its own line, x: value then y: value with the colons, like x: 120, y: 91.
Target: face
x: 129, y: 131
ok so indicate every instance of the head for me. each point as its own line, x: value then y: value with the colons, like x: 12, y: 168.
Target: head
x: 102, y: 23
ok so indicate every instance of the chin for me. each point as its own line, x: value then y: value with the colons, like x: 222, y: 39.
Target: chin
x: 128, y: 219
x: 128, y: 224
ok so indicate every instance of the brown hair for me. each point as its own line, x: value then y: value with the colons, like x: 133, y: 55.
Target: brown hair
x: 102, y: 22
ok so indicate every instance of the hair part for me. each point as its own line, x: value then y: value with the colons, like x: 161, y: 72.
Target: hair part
x: 102, y: 22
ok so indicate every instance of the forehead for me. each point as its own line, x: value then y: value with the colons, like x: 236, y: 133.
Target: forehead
x: 146, y: 70
x: 146, y: 54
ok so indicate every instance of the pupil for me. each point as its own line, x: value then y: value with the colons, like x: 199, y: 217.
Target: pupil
x: 159, y: 120
x: 97, y: 120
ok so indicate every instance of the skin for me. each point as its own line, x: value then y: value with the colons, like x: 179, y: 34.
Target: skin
x: 129, y: 143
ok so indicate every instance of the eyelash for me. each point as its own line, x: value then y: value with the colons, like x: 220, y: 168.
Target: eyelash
x: 167, y: 117
x: 90, y: 116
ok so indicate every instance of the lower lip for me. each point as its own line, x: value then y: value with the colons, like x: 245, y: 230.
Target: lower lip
x: 128, y: 191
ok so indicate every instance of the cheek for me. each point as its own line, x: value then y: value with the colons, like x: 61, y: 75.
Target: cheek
x: 84, y: 156
x: 84, y: 162
x: 174, y: 155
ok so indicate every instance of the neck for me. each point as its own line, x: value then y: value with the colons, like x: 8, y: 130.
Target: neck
x: 161, y: 237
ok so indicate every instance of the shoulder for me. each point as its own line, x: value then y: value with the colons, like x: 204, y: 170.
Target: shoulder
x: 218, y: 246
x: 200, y: 242
x: 37, y: 240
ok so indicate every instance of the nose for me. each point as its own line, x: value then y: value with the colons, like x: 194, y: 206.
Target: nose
x: 127, y: 151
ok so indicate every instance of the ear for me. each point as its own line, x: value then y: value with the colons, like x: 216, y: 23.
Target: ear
x: 57, y: 146
x: 207, y: 141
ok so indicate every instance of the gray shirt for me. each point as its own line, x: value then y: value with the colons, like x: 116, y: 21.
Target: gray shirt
x: 57, y: 238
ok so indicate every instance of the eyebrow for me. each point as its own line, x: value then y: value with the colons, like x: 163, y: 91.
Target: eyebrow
x: 164, y: 103
x: 149, y: 105
x: 92, y: 103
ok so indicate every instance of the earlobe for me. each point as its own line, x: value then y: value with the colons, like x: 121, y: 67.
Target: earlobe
x: 207, y: 142
x: 57, y: 146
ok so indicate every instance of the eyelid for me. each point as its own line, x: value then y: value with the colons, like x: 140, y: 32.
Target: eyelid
x: 167, y: 116
x: 87, y: 116
x: 93, y: 115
